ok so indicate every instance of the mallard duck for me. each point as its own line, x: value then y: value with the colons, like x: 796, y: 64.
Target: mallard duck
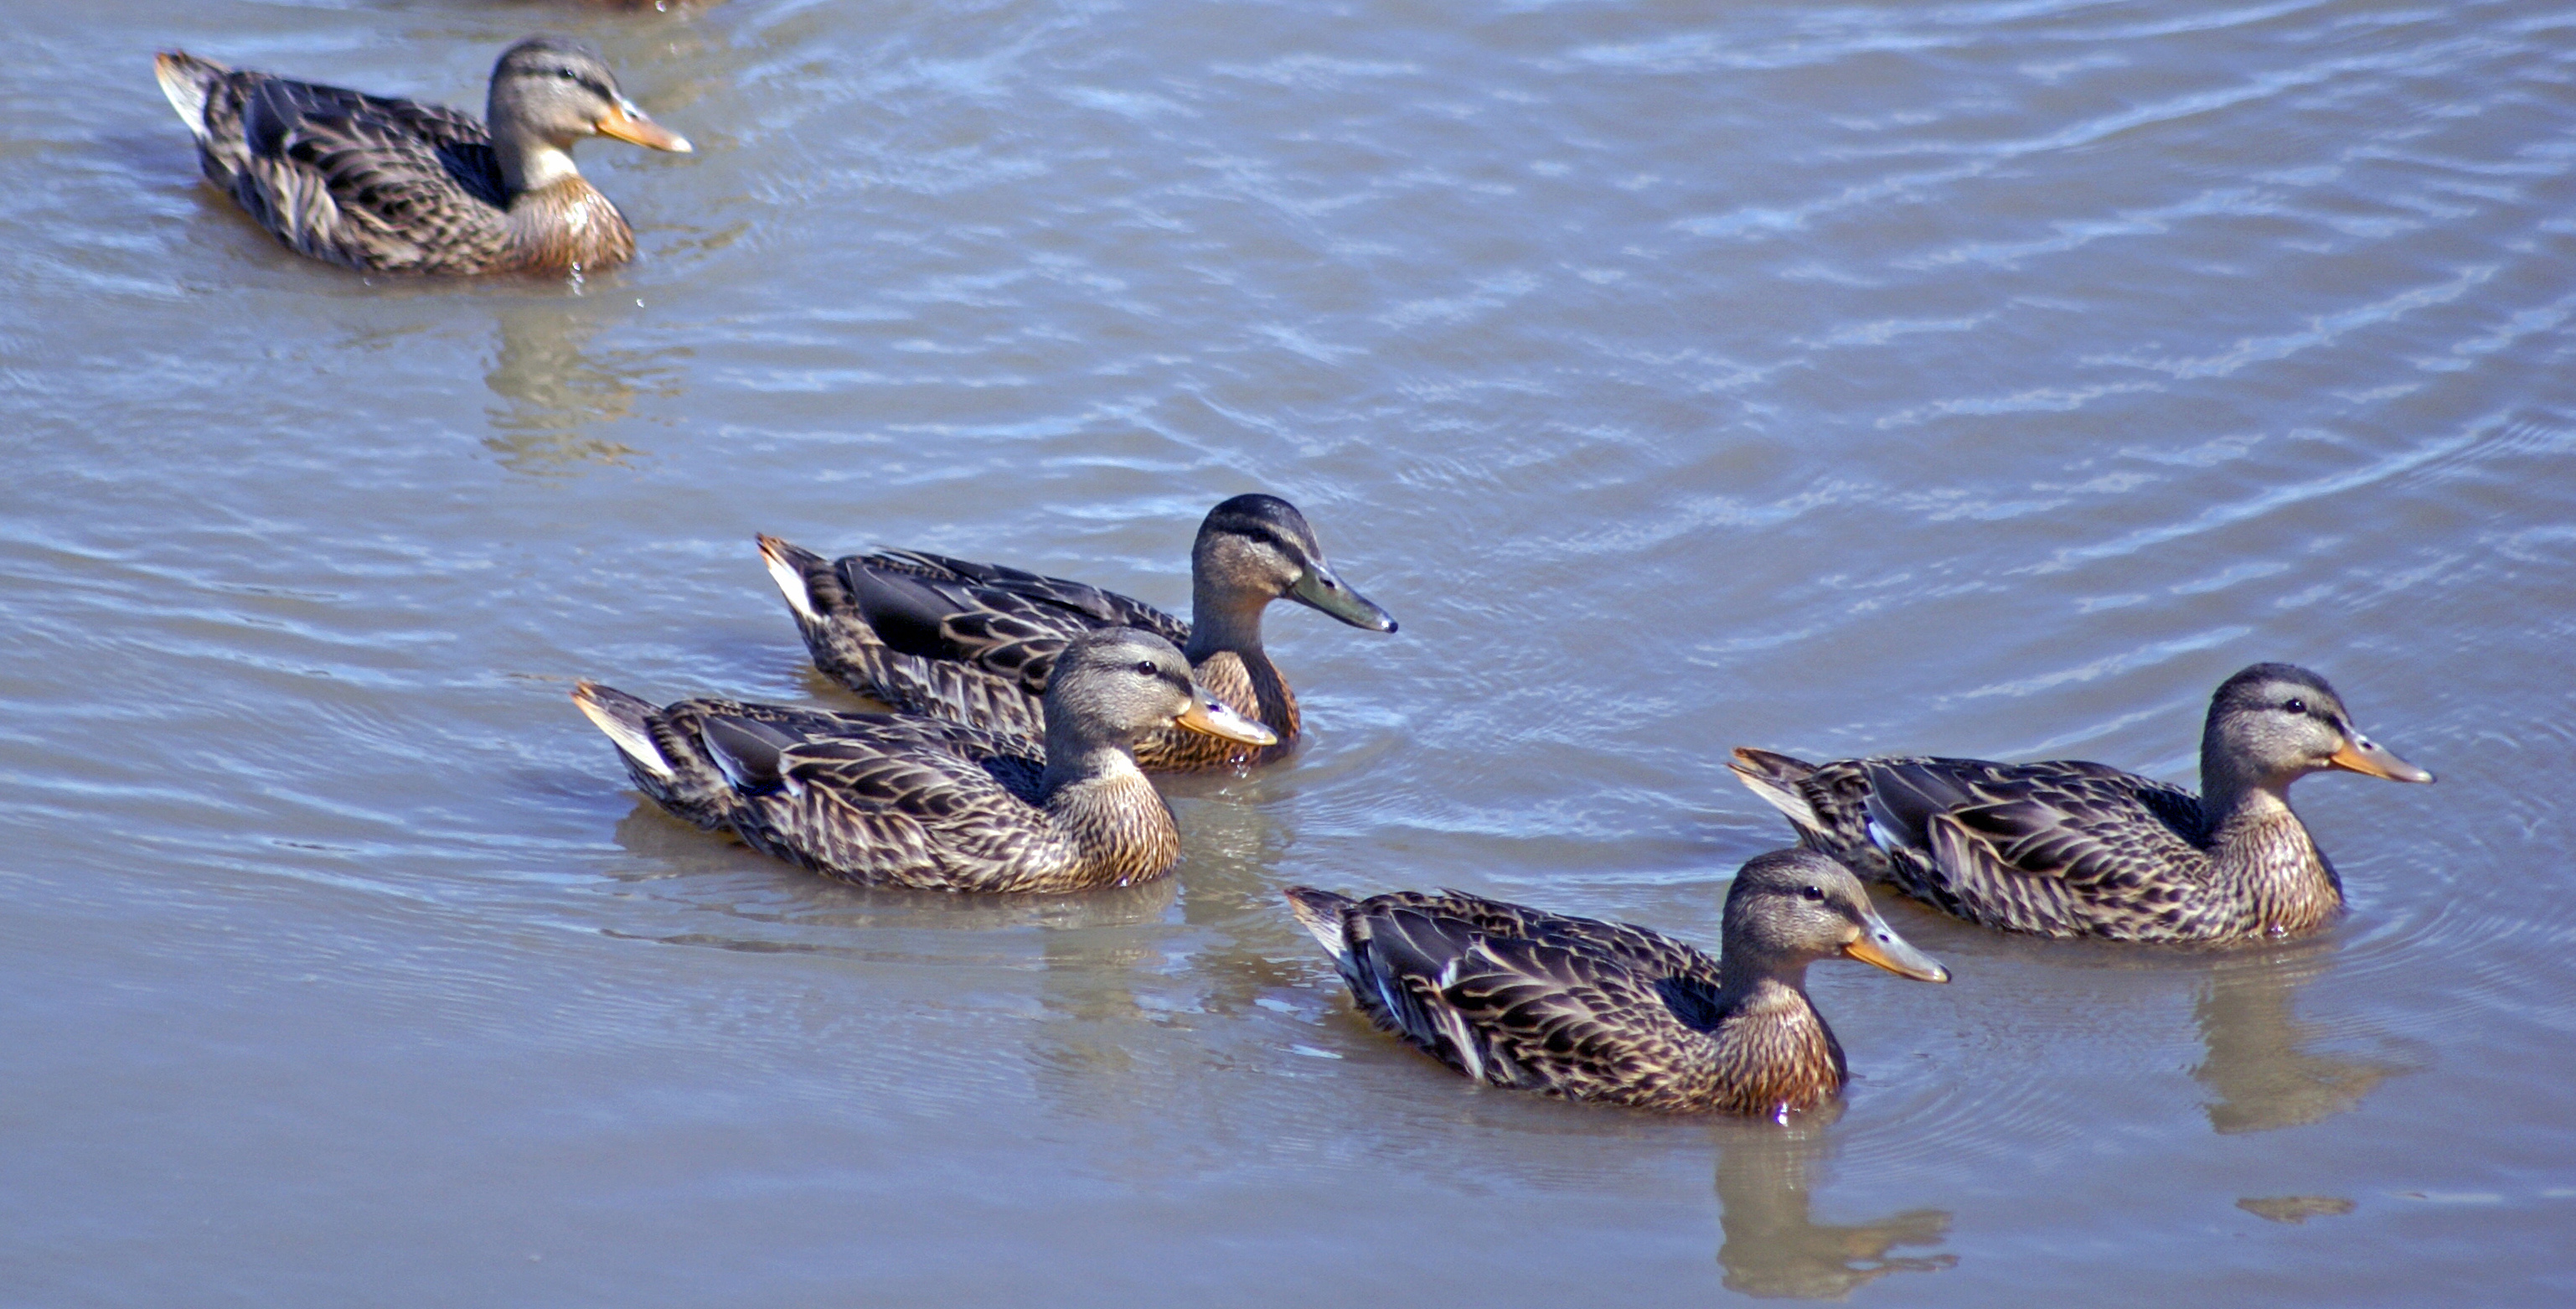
x: 396, y: 186
x: 2080, y: 849
x: 1575, y: 1007
x: 975, y: 642
x: 900, y: 800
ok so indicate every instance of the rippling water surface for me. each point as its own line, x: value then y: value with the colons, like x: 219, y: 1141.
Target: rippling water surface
x: 1986, y: 378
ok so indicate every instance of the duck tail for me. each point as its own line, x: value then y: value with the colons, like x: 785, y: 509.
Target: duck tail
x: 1780, y: 780
x: 804, y: 578
x: 628, y: 723
x: 666, y: 753
x: 188, y: 81
x: 1321, y: 912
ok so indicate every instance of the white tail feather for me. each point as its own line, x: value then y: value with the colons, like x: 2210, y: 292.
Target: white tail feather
x: 1324, y: 927
x: 630, y: 738
x: 186, y: 91
x: 791, y: 583
x: 1781, y: 798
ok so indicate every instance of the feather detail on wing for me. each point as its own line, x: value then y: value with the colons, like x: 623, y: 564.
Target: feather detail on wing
x: 911, y: 802
x: 2087, y: 824
x: 932, y: 635
x: 1521, y: 998
x: 364, y: 180
x: 2042, y: 847
x: 1090, y: 605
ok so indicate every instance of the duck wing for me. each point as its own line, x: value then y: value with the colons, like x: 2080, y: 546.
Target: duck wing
x: 973, y: 643
x: 2035, y: 846
x: 1518, y: 997
x: 367, y: 181
x: 1004, y: 622
x: 1089, y: 605
x: 667, y: 750
x: 894, y: 801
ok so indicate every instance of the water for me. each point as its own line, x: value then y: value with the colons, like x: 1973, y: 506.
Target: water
x: 1984, y: 378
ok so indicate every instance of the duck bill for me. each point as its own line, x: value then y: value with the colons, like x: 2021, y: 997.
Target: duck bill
x: 1879, y: 944
x: 1318, y: 588
x: 1212, y: 716
x: 628, y: 123
x: 2360, y: 754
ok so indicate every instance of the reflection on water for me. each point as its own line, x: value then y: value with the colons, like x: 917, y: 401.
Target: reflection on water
x: 2257, y: 1064
x: 1089, y: 1059
x: 558, y: 396
x: 2296, y: 1208
x: 1775, y: 1250
x: 770, y: 905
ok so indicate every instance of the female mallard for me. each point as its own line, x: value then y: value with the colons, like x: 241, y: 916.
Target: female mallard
x: 896, y: 800
x: 1575, y: 1007
x: 396, y: 186
x: 975, y: 642
x: 2078, y: 849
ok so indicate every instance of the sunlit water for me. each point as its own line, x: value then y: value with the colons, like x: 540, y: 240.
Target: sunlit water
x: 1981, y: 378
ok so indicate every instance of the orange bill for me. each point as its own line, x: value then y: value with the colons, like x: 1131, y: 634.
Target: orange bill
x: 628, y: 123
x: 1212, y: 716
x: 2360, y: 754
x: 1879, y: 944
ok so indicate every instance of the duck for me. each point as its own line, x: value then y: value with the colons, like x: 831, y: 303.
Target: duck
x: 386, y: 185
x: 975, y: 643
x: 2067, y: 848
x: 1583, y: 1009
x: 905, y: 801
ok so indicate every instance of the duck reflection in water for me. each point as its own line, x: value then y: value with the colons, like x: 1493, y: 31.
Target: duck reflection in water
x: 2257, y: 1066
x: 726, y: 895
x: 1775, y: 1250
x: 559, y: 397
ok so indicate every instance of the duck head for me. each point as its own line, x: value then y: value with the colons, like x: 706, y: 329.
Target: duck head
x: 1254, y: 549
x: 2273, y: 724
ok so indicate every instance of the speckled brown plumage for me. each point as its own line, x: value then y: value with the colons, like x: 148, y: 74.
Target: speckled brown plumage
x: 1575, y: 1007
x: 390, y: 185
x: 976, y: 642
x: 2068, y: 848
x: 901, y: 800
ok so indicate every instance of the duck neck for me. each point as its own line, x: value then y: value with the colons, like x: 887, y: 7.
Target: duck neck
x: 1773, y: 1049
x: 1223, y: 621
x: 529, y: 162
x: 1076, y: 755
x: 568, y: 224
x: 1745, y: 983
x: 1098, y: 796
x: 2262, y: 855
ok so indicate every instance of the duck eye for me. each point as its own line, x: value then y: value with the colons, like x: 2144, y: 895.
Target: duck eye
x: 566, y: 74
x: 1146, y: 666
x: 1811, y: 893
x: 2296, y: 706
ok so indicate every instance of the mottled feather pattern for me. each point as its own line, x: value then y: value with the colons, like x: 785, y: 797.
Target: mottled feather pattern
x: 1574, y: 1007
x: 901, y: 801
x: 982, y: 641
x: 858, y: 810
x: 698, y: 791
x: 1096, y: 607
x: 387, y: 185
x: 2067, y: 848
